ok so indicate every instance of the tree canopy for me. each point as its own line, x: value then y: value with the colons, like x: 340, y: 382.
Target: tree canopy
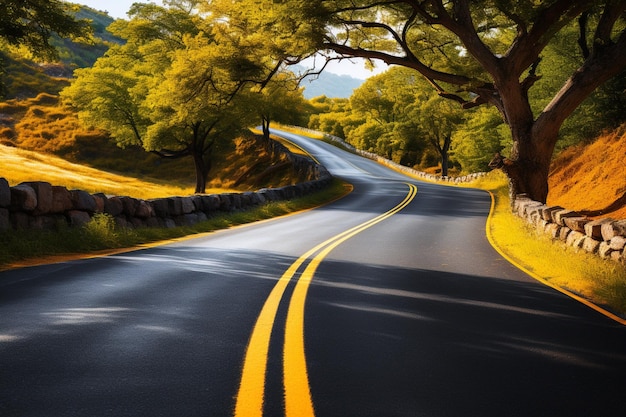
x: 183, y: 83
x: 473, y: 52
x: 31, y: 24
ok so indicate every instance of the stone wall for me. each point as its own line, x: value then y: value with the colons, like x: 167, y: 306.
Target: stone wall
x: 604, y: 237
x: 394, y: 165
x: 42, y: 206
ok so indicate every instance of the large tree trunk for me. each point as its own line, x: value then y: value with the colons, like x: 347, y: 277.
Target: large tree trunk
x: 202, y: 164
x: 529, y: 165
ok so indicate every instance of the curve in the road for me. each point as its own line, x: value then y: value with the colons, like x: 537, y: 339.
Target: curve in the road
x: 298, y: 401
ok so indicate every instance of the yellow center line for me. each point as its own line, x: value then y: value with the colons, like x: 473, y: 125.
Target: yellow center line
x: 250, y: 396
x: 298, y: 402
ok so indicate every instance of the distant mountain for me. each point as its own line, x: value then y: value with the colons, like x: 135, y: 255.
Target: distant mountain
x: 330, y: 85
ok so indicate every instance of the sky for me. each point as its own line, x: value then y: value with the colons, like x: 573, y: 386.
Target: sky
x: 118, y: 8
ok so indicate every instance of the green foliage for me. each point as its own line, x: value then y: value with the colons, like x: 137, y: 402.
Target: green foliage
x: 478, y: 138
x: 178, y: 85
x: 30, y: 23
x: 475, y: 52
x: 101, y: 228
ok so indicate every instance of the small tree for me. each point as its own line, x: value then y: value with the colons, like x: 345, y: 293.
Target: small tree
x: 280, y: 100
x: 172, y: 88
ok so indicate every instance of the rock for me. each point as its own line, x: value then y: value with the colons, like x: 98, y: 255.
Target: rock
x: 187, y: 205
x: 210, y: 203
x: 160, y: 207
x: 524, y: 205
x: 553, y: 230
x: 99, y: 199
x: 225, y: 202
x: 533, y: 212
x: 590, y: 245
x: 113, y: 206
x: 613, y: 228
x: 44, y: 197
x: 237, y: 202
x: 541, y: 225
x: 77, y: 217
x: 20, y: 220
x: 144, y: 209
x: 83, y: 201
x: 129, y: 205
x: 5, y: 223
x: 575, y: 239
x: 604, y: 250
x: 593, y: 229
x: 564, y: 233
x: 174, y: 206
x: 47, y: 221
x: 576, y: 223
x: 23, y: 198
x: 61, y: 200
x: 561, y: 215
x: 547, y: 213
x: 136, y: 222
x: 122, y: 223
x: 197, y: 202
x: 5, y: 193
x: 617, y: 256
x: 618, y: 243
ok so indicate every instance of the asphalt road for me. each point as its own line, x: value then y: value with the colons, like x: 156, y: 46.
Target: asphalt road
x: 387, y: 302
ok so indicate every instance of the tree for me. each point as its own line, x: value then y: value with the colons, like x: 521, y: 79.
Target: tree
x: 475, y: 52
x: 176, y: 87
x: 438, y: 120
x: 280, y: 100
x: 31, y: 23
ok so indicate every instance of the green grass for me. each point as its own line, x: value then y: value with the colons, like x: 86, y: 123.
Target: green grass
x: 26, y: 247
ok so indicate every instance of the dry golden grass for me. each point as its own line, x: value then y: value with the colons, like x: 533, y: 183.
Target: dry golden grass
x: 591, y: 177
x: 19, y: 165
x: 600, y: 281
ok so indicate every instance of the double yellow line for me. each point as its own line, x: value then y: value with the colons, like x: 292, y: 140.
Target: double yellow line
x: 298, y: 402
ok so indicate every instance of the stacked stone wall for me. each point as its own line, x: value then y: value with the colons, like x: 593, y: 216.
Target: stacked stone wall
x: 604, y: 237
x: 394, y: 165
x: 43, y: 206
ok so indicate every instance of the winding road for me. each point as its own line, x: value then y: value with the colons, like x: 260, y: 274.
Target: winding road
x: 388, y: 302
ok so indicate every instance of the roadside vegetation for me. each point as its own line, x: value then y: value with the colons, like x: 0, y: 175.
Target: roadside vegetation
x: 603, y: 282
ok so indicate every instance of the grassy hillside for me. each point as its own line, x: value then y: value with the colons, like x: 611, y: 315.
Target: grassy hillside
x: 19, y: 165
x: 592, y: 178
x: 41, y: 124
x: 24, y: 77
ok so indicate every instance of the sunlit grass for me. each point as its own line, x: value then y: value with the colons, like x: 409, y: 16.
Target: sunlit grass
x: 101, y: 234
x: 19, y: 165
x: 592, y: 176
x: 601, y: 281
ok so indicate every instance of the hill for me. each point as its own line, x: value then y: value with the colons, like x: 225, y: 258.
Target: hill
x: 330, y: 85
x: 23, y: 77
x: 592, y: 178
x: 42, y: 124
